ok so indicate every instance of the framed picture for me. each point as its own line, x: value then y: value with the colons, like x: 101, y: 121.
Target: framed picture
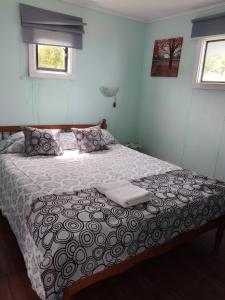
x: 166, y: 57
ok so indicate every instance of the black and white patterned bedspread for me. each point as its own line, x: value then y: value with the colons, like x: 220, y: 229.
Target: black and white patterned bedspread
x: 83, y: 232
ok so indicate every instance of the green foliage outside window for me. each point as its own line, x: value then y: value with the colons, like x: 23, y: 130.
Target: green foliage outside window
x: 51, y: 57
x: 215, y: 66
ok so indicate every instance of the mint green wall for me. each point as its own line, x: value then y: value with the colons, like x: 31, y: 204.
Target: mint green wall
x: 180, y: 124
x: 176, y: 123
x: 112, y: 55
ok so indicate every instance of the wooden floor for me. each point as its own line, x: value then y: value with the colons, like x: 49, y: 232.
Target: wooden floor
x: 190, y: 272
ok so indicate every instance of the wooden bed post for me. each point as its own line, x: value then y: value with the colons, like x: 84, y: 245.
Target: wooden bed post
x: 219, y: 237
x: 103, y: 124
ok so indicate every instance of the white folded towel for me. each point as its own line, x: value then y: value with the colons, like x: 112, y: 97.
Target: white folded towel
x: 124, y: 193
x: 102, y: 188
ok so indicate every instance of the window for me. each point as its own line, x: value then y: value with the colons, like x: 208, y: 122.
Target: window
x: 211, y: 64
x: 51, y: 58
x: 47, y: 61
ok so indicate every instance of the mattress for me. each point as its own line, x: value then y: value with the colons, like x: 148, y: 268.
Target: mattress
x: 52, y: 207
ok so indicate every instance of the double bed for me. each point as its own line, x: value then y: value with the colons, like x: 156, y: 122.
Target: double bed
x: 71, y: 236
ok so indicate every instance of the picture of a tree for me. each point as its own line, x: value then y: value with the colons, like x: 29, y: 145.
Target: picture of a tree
x: 166, y: 57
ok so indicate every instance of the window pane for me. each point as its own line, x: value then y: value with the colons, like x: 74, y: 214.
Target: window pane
x: 51, y: 57
x: 214, y: 65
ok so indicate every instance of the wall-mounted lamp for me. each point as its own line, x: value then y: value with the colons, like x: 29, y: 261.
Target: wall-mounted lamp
x: 110, y: 92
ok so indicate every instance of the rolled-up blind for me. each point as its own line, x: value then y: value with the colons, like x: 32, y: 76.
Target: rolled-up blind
x: 208, y: 26
x: 40, y: 26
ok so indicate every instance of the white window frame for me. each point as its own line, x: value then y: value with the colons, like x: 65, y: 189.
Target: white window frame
x: 36, y: 73
x: 197, y: 83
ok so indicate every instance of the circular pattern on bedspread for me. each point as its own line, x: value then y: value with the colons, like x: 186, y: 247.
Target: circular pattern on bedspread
x: 68, y: 269
x: 94, y: 226
x: 89, y: 265
x: 86, y: 238
x: 63, y: 236
x: 98, y: 253
x: 80, y: 255
x: 49, y: 277
x: 71, y: 248
x: 80, y: 238
x: 100, y: 239
x: 73, y: 225
x: 117, y: 250
x: 49, y: 219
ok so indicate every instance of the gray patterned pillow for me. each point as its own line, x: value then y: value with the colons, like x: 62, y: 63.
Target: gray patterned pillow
x: 108, y: 137
x: 89, y: 139
x: 13, y: 144
x: 41, y: 142
x: 16, y: 147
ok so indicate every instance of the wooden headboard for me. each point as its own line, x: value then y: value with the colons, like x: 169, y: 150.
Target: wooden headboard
x: 5, y: 131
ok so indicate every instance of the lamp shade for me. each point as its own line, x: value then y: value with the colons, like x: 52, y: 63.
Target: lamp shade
x: 109, y: 91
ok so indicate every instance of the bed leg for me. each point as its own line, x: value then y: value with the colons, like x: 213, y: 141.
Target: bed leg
x: 219, y: 237
x: 66, y: 295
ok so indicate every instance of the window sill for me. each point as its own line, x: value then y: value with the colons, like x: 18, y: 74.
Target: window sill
x: 50, y: 75
x: 209, y: 86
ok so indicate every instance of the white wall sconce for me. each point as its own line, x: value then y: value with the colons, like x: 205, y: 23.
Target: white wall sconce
x: 110, y: 92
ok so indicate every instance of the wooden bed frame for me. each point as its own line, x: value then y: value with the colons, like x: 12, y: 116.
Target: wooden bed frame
x: 218, y: 224
x: 13, y: 129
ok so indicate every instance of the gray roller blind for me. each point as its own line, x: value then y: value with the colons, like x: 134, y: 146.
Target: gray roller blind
x: 207, y: 26
x: 40, y: 26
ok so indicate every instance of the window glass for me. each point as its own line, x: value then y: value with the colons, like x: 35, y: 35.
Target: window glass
x: 214, y: 62
x: 53, y: 58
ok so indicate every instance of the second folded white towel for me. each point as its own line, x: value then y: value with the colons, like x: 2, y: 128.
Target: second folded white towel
x: 124, y: 193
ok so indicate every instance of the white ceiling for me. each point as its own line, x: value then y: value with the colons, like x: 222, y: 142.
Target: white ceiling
x: 146, y: 10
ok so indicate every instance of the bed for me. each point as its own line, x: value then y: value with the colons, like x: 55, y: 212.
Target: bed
x: 71, y: 236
